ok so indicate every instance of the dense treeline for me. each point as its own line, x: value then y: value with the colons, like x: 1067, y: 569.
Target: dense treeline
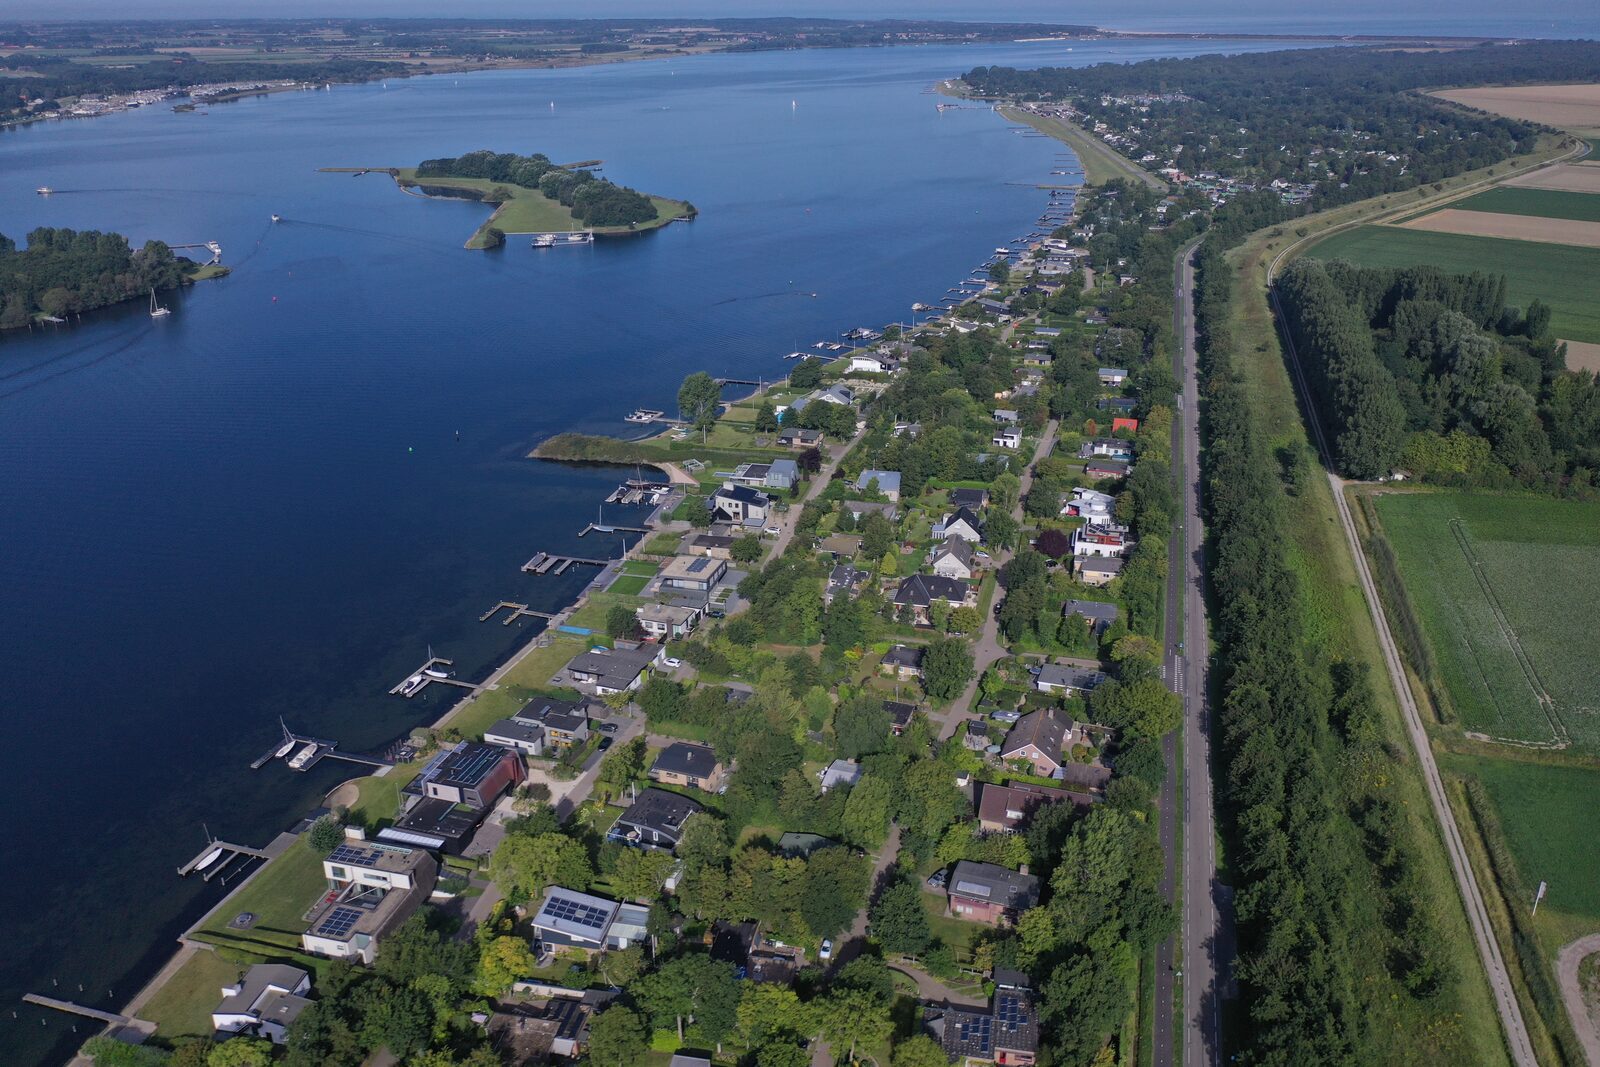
x: 592, y: 200
x: 1337, y: 932
x: 1333, y: 118
x: 1417, y: 369
x: 66, y: 271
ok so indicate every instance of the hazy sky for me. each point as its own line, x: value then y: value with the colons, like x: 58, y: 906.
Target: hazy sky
x: 1527, y: 17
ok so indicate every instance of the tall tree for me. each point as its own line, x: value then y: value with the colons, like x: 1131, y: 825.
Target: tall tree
x: 699, y: 397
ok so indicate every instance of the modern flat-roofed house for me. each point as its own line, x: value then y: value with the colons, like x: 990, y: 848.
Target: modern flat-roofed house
x: 887, y: 482
x: 697, y: 574
x: 840, y: 772
x: 1097, y: 570
x: 1008, y: 807
x: 615, y: 670
x: 1091, y: 505
x: 474, y: 774
x: 265, y: 1000
x: 739, y: 504
x: 1106, y: 448
x: 664, y: 622
x: 780, y: 474
x: 689, y: 764
x: 1100, y: 616
x: 874, y: 363
x: 953, y: 559
x: 565, y: 722
x: 570, y: 919
x: 1063, y: 678
x: 1101, y: 539
x: 904, y: 661
x: 518, y: 734
x: 920, y: 591
x: 374, y: 886
x: 963, y: 522
x: 1036, y: 737
x: 717, y: 546
x: 1011, y: 439
x: 1113, y: 375
x: 987, y: 893
x: 654, y: 820
x: 1005, y: 415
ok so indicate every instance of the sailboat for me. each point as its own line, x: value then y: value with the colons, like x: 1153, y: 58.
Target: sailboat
x: 156, y: 310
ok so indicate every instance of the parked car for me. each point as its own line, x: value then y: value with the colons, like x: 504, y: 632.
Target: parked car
x: 937, y: 879
x: 1006, y: 716
x: 826, y: 951
x: 672, y: 663
x: 607, y: 727
x: 773, y: 531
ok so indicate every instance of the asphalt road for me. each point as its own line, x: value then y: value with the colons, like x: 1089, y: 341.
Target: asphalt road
x: 1494, y: 964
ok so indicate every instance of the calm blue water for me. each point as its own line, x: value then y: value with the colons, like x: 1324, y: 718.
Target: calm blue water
x: 260, y: 506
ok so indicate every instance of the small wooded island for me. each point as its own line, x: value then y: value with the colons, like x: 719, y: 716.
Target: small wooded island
x: 63, y: 272
x: 535, y: 196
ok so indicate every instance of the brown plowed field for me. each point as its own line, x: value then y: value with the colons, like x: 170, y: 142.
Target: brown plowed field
x: 1571, y: 178
x: 1571, y: 107
x: 1583, y: 355
x: 1511, y: 227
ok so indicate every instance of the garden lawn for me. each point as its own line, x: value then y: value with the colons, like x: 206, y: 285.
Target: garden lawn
x: 182, y: 1008
x: 1508, y: 594
x: 278, y: 897
x: 629, y: 584
x: 1563, y: 276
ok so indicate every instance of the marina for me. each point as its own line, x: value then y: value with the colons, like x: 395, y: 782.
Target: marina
x: 548, y: 563
x: 517, y: 611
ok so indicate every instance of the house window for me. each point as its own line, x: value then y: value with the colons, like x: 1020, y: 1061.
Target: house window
x: 339, y: 873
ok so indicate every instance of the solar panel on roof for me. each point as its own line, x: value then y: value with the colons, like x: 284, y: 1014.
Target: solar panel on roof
x: 577, y: 912
x: 353, y: 854
x: 972, y: 888
x: 340, y: 921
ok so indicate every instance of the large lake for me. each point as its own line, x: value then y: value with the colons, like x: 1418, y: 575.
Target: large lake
x: 261, y: 507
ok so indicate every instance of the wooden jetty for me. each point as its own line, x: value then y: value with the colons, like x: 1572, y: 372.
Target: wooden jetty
x: 216, y: 855
x: 595, y: 527
x: 547, y: 563
x: 517, y: 612
x: 108, y: 1017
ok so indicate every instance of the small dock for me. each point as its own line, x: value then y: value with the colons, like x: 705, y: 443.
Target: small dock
x: 549, y: 563
x: 424, y: 676
x: 216, y: 855
x: 595, y: 527
x: 109, y: 1017
x: 302, y: 752
x: 639, y: 492
x: 517, y: 612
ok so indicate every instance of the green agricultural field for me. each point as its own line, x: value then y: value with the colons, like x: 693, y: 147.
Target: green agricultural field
x: 1541, y: 809
x: 1563, y: 276
x: 1508, y: 593
x: 1543, y: 203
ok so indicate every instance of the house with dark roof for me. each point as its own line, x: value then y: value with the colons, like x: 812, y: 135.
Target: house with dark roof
x: 542, y: 723
x: 687, y: 763
x: 1006, y: 1032
x: 473, y: 774
x: 972, y: 499
x: 612, y: 670
x: 1117, y: 403
x: 1009, y: 807
x: 739, y: 504
x: 794, y: 437
x: 794, y: 844
x: 953, y: 559
x: 904, y: 661
x: 919, y: 591
x: 1097, y: 570
x: 654, y: 820
x: 988, y: 893
x: 843, y: 580
x: 665, y: 622
x: 570, y: 919
x: 696, y: 574
x: 265, y: 1000
x: 860, y: 509
x: 1099, y: 616
x: 717, y: 546
x: 1037, y: 737
x: 900, y: 715
x: 963, y: 522
x: 1066, y: 678
x: 1102, y: 469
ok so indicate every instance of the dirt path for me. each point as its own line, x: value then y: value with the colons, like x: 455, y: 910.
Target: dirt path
x: 931, y: 989
x: 676, y: 474
x: 1583, y: 1021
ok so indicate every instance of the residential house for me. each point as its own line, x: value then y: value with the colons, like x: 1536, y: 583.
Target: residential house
x: 843, y: 580
x: 1007, y: 439
x: 841, y: 546
x: 1107, y: 448
x: 962, y: 522
x: 1101, y: 539
x: 679, y: 1059
x: 615, y: 670
x: 539, y: 724
x: 877, y: 362
x: 1097, y: 571
x: 654, y: 820
x: 1063, y: 678
x: 1100, y: 616
x: 1047, y: 331
x: 974, y: 500
x: 887, y: 482
x: 900, y: 715
x: 987, y: 893
x: 665, y: 622
x: 840, y: 772
x: 697, y: 574
x: 373, y: 887
x: 1006, y: 1032
x: 1005, y: 415
x: 1117, y: 403
x: 780, y: 474
x: 1113, y: 375
x: 686, y: 763
x: 1037, y: 358
x: 953, y: 559
x: 739, y: 504
x: 833, y: 394
x: 1005, y: 808
x: 1101, y: 469
x: 1037, y: 737
x: 264, y: 1001
x: 1120, y: 423
x: 473, y: 774
x: 569, y: 919
x: 919, y: 591
x: 514, y: 733
x: 904, y: 661
x: 716, y: 546
x: 554, y: 1023
x: 860, y: 509
x: 794, y: 437
x: 1091, y: 505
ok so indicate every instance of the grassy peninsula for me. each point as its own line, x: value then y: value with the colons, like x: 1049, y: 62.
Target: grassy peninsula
x: 533, y: 195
